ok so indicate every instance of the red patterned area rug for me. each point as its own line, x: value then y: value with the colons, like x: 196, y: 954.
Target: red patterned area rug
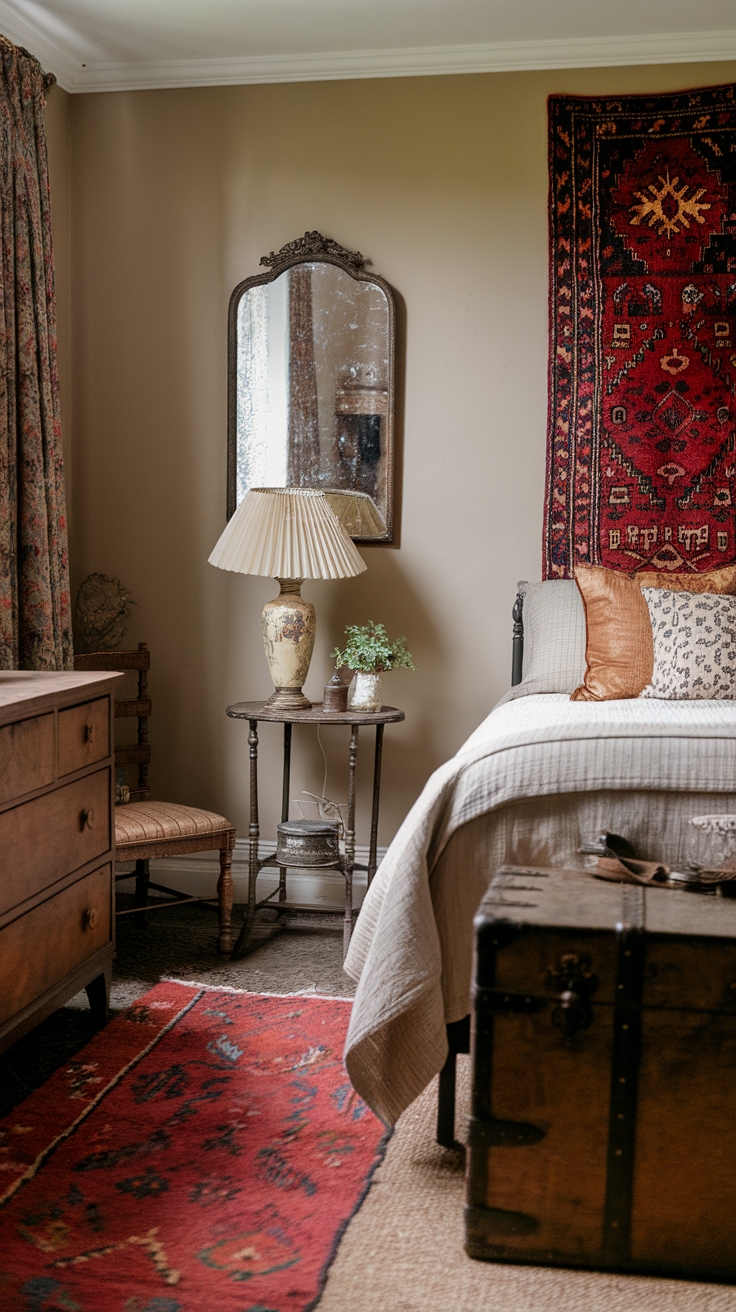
x: 640, y: 456
x: 204, y: 1153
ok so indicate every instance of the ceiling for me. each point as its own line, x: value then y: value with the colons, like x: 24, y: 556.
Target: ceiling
x: 112, y: 45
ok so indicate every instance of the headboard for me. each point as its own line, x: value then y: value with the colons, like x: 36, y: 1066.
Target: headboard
x: 517, y: 642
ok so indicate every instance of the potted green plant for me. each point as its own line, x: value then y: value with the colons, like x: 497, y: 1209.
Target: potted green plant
x: 369, y: 651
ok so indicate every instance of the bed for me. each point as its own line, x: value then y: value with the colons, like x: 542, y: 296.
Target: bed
x: 538, y: 776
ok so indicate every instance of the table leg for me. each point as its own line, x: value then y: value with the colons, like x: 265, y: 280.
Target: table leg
x: 253, y: 836
x: 347, y: 928
x: 376, y: 796
x: 285, y: 801
x: 350, y: 831
x: 349, y: 859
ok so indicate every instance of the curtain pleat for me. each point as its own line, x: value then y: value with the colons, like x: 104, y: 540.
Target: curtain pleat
x: 35, y: 609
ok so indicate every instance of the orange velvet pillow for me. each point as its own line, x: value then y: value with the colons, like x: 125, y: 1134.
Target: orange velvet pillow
x: 715, y: 580
x: 619, y: 649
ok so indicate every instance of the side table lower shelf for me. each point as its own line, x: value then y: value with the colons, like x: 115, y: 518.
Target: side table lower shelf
x: 254, y: 712
x: 277, y: 900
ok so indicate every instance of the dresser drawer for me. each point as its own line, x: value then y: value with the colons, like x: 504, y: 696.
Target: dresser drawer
x: 84, y: 735
x: 47, y: 838
x: 26, y: 756
x: 38, y: 949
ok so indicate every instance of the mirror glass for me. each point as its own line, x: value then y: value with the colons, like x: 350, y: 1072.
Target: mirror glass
x: 313, y: 390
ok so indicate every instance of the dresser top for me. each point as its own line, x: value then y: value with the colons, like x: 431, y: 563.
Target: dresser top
x: 25, y: 692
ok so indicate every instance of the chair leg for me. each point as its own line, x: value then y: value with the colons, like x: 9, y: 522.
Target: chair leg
x: 225, y: 902
x: 141, y: 893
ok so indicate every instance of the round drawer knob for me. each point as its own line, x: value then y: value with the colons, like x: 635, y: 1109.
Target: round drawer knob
x: 87, y: 818
x: 90, y: 918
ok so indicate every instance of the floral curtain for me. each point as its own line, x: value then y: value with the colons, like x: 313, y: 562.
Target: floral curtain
x: 35, y: 611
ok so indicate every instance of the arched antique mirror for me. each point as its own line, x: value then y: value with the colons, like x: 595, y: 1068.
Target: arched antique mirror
x: 311, y: 383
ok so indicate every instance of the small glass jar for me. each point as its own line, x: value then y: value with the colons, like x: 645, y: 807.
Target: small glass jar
x: 711, y: 844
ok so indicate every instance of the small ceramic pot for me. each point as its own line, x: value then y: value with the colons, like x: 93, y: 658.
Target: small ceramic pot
x: 335, y: 696
x: 365, y: 693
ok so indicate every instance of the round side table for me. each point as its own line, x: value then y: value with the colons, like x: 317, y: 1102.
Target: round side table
x: 255, y: 712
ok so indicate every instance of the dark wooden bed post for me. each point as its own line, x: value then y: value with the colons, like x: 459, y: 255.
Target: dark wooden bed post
x: 458, y: 1038
x: 517, y: 642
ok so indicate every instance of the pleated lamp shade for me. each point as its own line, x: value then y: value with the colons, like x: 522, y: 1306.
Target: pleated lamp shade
x: 357, y: 512
x: 287, y: 533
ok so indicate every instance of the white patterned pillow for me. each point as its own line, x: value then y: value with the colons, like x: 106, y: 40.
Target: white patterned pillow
x: 694, y: 645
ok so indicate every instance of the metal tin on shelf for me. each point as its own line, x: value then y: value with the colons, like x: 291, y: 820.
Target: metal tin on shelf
x: 307, y: 843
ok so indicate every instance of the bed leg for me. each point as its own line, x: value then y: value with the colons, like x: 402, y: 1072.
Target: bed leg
x: 458, y: 1039
x: 446, y: 1104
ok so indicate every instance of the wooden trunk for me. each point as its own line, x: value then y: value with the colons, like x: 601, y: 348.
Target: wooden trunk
x: 603, y: 1129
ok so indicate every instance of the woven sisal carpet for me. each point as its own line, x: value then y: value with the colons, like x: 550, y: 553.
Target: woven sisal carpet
x: 403, y: 1251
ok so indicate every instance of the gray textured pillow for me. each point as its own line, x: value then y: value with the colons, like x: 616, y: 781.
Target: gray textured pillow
x: 694, y: 645
x: 554, y: 638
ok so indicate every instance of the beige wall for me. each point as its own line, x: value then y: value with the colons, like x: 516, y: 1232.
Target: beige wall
x: 442, y: 183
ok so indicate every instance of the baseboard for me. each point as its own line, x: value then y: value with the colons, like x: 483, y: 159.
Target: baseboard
x: 196, y: 876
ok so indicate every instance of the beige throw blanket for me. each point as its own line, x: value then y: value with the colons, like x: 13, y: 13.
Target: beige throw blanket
x: 537, y: 746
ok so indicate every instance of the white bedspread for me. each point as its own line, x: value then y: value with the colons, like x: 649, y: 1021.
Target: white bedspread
x: 535, y: 747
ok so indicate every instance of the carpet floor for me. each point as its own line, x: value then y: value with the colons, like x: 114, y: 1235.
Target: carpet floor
x: 180, y: 942
x: 204, y: 1152
x: 403, y: 1251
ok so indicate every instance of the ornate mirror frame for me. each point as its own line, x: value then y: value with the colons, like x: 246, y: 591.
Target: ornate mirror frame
x: 313, y: 248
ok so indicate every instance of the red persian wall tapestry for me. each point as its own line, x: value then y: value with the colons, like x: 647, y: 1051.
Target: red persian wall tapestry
x: 641, y: 463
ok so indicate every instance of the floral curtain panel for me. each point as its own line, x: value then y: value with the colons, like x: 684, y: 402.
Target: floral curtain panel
x: 35, y: 611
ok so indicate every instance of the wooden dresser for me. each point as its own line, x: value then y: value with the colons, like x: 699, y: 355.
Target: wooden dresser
x: 57, y: 840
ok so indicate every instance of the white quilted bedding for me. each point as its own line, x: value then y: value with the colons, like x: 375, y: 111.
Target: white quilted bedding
x: 537, y: 775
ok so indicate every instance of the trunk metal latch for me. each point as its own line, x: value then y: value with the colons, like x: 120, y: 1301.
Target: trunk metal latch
x: 576, y: 983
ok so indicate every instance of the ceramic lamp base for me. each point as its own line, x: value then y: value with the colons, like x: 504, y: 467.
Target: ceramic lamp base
x: 288, y: 699
x: 288, y: 624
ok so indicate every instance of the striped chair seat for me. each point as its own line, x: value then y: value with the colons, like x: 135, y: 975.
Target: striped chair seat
x: 160, y: 822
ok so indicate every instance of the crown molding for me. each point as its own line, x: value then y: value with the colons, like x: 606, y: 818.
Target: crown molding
x: 677, y: 48
x: 59, y: 57
x: 55, y: 56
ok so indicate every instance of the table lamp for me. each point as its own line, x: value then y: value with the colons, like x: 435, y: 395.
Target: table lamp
x: 293, y: 534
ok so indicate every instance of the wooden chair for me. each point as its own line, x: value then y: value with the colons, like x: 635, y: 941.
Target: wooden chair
x: 145, y: 829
